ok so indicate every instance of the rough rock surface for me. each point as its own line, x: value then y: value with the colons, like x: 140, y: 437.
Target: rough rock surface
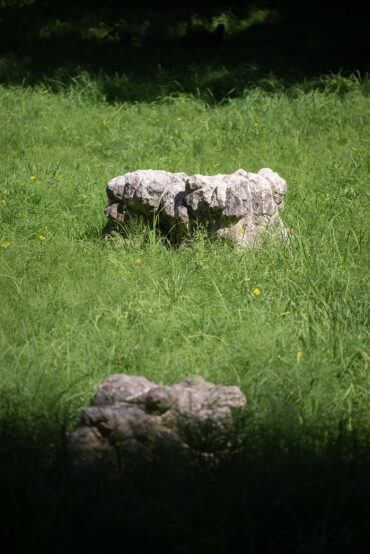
x: 132, y: 419
x: 237, y: 206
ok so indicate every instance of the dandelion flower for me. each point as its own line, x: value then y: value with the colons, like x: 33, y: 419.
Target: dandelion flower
x: 137, y: 261
x: 179, y: 118
x: 126, y: 273
x: 33, y: 177
x: 256, y: 124
x: 247, y: 278
x: 104, y: 122
x: 84, y: 196
x: 176, y: 132
x: 6, y: 192
x: 41, y: 237
x: 256, y: 292
x: 340, y: 168
x: 60, y: 176
x: 240, y: 229
x: 45, y: 91
x: 3, y: 202
x: 5, y: 244
x: 353, y: 148
x: 300, y: 355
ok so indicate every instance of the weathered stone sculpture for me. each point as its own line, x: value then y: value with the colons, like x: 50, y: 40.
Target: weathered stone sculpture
x: 237, y: 206
x: 133, y: 419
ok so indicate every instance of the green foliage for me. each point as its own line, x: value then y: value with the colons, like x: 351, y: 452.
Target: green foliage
x: 142, y: 51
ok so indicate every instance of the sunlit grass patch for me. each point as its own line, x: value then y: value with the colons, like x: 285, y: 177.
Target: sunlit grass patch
x: 89, y: 308
x: 285, y: 321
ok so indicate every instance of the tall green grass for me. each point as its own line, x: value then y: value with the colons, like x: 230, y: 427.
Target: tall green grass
x: 76, y: 309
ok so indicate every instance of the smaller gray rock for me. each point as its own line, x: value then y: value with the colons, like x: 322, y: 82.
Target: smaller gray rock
x: 132, y: 416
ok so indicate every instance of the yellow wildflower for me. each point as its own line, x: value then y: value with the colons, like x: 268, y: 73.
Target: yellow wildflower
x: 5, y: 244
x: 300, y: 355
x: 33, y: 177
x: 3, y: 202
x: 137, y: 261
x: 60, y: 176
x: 179, y: 118
x: 41, y: 237
x: 353, y: 148
x: 6, y: 192
x: 84, y: 196
x: 104, y: 122
x: 256, y: 124
x: 240, y: 229
x: 74, y: 216
x: 126, y: 273
x: 45, y: 91
x: 149, y: 118
x: 340, y: 168
x: 157, y: 119
x: 247, y: 278
x: 256, y: 292
x: 176, y: 132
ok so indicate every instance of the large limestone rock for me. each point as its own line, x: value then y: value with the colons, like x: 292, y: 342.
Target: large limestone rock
x: 133, y: 419
x: 238, y: 206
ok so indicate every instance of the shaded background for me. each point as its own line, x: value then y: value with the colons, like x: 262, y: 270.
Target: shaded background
x: 139, y: 50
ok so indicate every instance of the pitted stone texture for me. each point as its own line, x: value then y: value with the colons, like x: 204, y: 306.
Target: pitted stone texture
x: 238, y: 206
x: 133, y: 416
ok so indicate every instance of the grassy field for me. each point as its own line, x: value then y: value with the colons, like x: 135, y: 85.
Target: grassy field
x: 76, y: 309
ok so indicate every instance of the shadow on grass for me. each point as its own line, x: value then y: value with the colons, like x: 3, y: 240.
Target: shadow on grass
x: 282, y: 492
x: 278, y: 48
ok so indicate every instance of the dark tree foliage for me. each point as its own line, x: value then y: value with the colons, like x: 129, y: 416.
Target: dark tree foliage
x: 160, y: 46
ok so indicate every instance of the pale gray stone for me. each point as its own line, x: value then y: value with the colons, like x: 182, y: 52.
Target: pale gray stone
x: 239, y: 206
x: 121, y: 388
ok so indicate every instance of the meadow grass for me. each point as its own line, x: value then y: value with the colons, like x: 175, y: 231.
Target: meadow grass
x: 76, y: 309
